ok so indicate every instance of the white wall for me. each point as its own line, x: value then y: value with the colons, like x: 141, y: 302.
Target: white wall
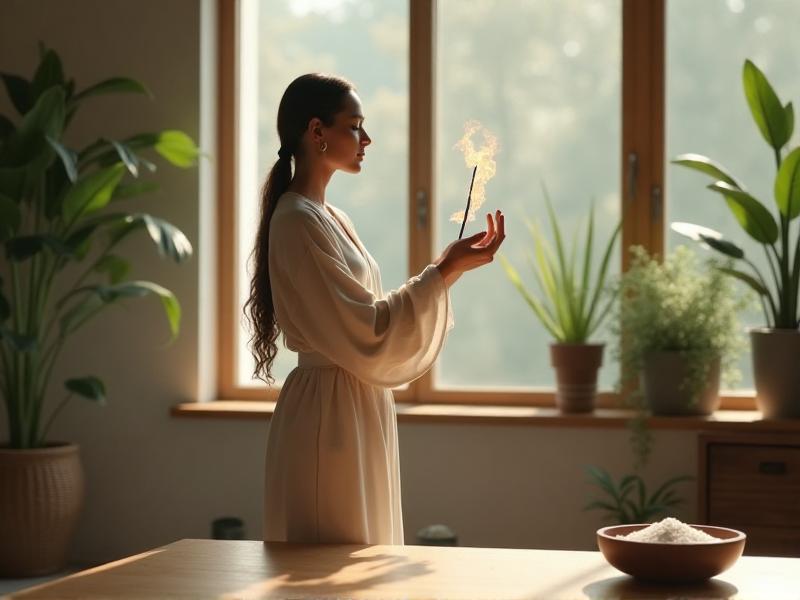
x: 152, y: 479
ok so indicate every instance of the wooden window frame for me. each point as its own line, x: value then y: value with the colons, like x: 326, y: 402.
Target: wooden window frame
x: 641, y: 184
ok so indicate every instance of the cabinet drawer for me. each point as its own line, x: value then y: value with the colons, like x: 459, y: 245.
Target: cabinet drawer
x: 754, y: 485
x: 771, y: 541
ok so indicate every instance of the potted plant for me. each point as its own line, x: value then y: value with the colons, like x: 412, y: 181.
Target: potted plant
x: 627, y: 502
x: 776, y: 347
x: 63, y: 215
x: 571, y: 307
x: 677, y: 325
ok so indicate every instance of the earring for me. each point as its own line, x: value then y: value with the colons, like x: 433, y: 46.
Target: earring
x: 323, y: 146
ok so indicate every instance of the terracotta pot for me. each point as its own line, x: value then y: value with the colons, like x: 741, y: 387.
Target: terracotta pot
x: 776, y: 354
x: 662, y: 381
x: 41, y: 494
x: 576, y: 368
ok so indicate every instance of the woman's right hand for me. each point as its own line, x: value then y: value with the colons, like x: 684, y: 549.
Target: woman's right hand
x: 475, y: 251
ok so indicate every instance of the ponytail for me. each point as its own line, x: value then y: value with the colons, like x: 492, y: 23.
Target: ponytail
x: 264, y: 326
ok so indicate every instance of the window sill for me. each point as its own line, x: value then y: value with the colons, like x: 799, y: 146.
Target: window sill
x: 601, y: 418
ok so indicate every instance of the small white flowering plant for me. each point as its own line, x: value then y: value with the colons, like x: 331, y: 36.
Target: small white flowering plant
x: 682, y: 306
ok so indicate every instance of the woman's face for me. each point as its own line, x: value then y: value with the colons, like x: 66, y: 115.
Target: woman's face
x: 347, y: 139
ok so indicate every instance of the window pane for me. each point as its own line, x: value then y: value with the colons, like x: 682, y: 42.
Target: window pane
x: 545, y: 78
x: 707, y: 112
x: 365, y: 41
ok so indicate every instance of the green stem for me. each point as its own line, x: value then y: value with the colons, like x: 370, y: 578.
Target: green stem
x: 16, y: 392
x: 775, y: 278
x: 53, y: 415
x: 769, y: 296
x: 796, y: 280
x: 48, y: 360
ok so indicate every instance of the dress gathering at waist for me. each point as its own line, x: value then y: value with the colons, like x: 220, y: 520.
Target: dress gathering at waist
x: 310, y: 360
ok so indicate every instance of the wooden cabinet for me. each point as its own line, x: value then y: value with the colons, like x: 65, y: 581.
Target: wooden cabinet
x: 751, y: 482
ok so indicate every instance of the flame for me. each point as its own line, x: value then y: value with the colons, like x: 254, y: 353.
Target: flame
x: 484, y: 158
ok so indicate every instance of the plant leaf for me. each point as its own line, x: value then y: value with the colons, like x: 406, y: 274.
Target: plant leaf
x: 754, y: 218
x: 787, y: 185
x: 88, y: 387
x: 789, y: 109
x: 69, y: 158
x: 114, y: 85
x: 177, y: 147
x: 48, y: 73
x: 6, y: 127
x: 91, y: 192
x: 601, y: 505
x: 19, y: 342
x: 708, y: 238
x: 703, y: 164
x: 767, y: 111
x: 669, y: 483
x: 10, y: 217
x: 137, y: 188
x: 79, y: 242
x: 116, y: 267
x: 170, y: 240
x: 532, y: 301
x: 748, y: 279
x: 27, y: 144
x: 693, y: 232
x: 723, y: 246
x: 5, y: 307
x: 19, y: 91
x: 128, y: 157
x: 593, y: 323
x: 133, y: 289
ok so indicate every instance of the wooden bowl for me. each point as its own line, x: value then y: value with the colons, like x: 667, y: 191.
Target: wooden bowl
x: 673, y: 563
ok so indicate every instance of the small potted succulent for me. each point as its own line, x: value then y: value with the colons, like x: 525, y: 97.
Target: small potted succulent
x: 677, y: 331
x: 777, y: 345
x: 571, y: 305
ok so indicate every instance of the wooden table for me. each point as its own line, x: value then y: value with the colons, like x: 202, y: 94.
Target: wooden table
x: 249, y: 569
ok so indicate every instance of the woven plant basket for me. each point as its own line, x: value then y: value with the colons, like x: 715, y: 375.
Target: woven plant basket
x: 41, y: 494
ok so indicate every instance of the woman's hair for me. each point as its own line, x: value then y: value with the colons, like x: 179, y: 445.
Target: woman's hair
x: 307, y: 97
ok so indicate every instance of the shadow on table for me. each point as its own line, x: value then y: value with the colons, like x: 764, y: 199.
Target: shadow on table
x: 628, y: 587
x: 331, y: 574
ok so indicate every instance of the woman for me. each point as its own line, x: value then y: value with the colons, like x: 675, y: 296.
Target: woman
x: 332, y: 469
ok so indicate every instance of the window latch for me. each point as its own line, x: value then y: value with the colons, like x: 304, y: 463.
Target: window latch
x: 655, y: 203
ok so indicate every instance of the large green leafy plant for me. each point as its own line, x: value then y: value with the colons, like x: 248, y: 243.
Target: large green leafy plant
x: 63, y: 216
x: 571, y: 306
x: 780, y: 242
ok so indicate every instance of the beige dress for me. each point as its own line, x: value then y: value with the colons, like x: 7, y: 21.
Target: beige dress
x: 332, y: 464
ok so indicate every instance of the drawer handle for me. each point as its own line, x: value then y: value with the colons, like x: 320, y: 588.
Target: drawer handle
x: 772, y: 467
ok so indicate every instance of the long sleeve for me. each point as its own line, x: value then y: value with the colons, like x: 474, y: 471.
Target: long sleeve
x: 383, y: 341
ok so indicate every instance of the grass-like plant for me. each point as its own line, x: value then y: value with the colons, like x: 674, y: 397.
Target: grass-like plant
x: 571, y: 306
x: 63, y: 216
x: 780, y: 242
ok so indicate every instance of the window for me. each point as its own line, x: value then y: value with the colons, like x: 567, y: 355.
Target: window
x: 366, y: 42
x: 545, y: 78
x: 579, y: 97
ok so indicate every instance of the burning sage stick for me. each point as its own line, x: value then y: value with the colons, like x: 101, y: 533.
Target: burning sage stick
x: 469, y: 199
